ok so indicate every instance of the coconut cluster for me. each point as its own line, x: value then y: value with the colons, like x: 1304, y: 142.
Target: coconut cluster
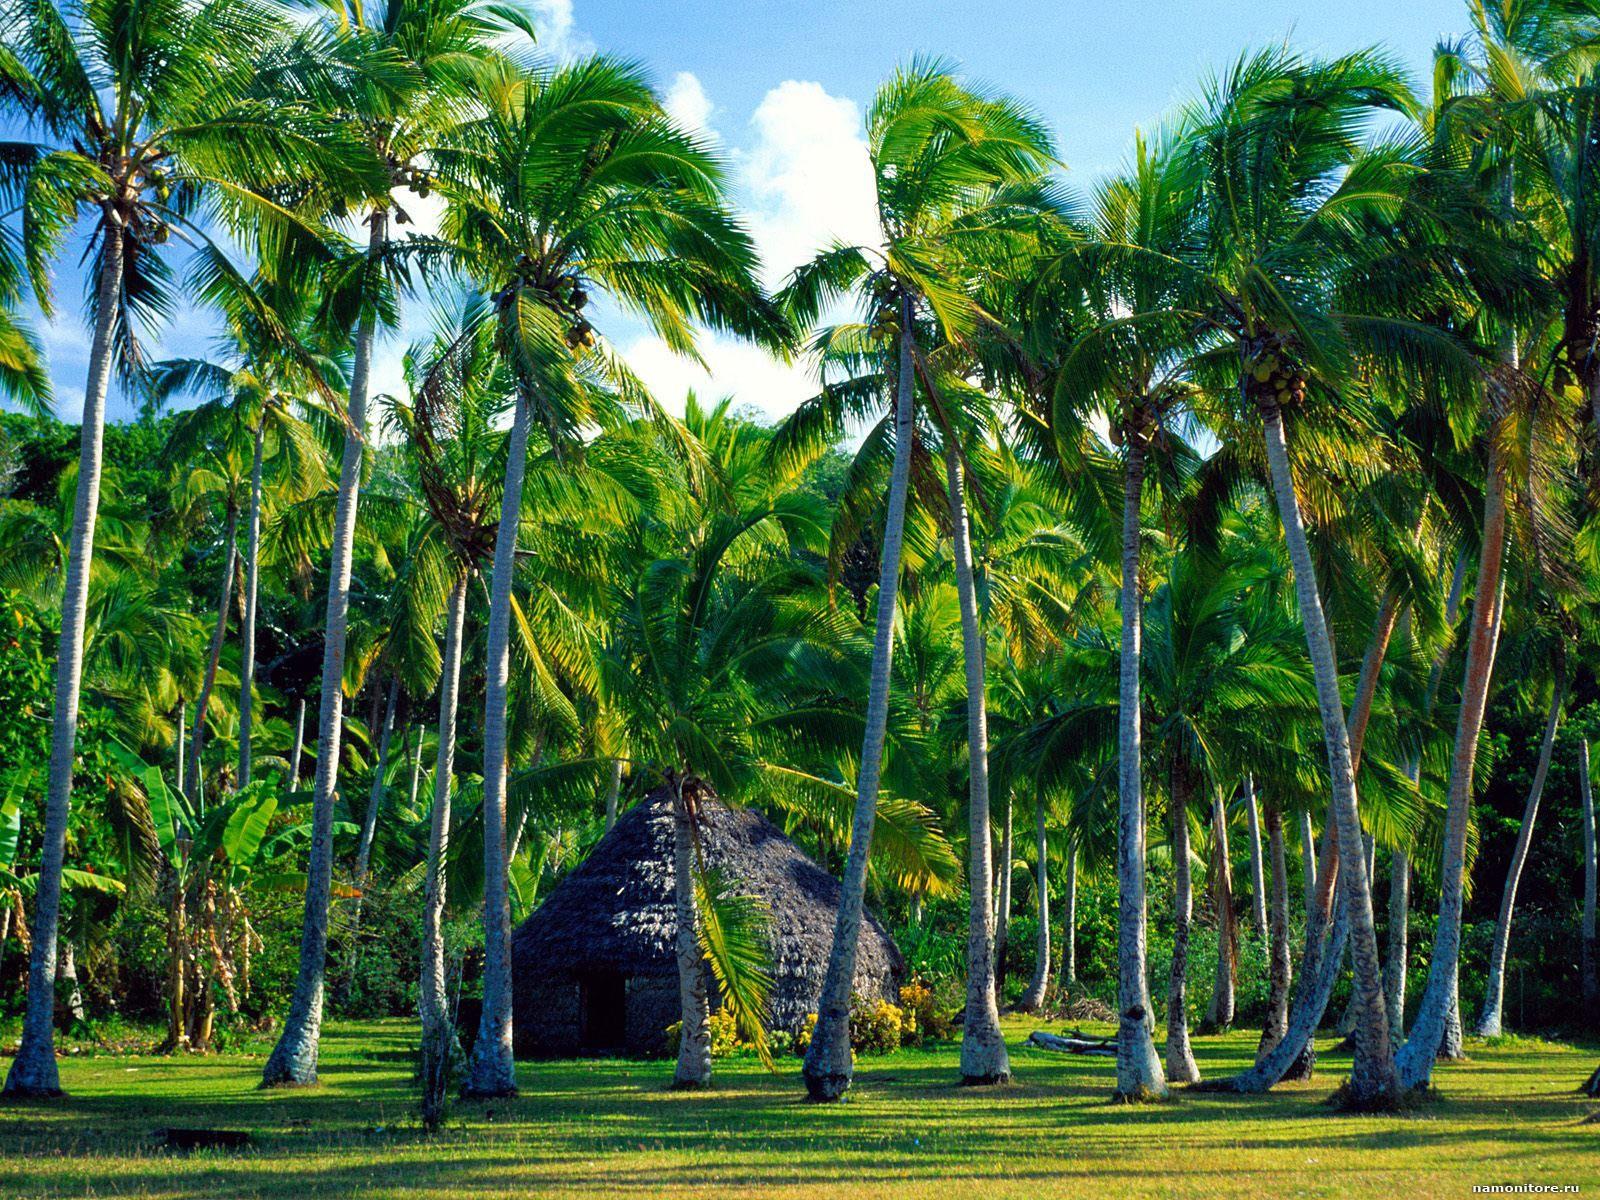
x: 1275, y: 381
x: 565, y: 294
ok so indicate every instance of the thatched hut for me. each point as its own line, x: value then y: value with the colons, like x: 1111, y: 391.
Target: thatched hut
x: 594, y: 969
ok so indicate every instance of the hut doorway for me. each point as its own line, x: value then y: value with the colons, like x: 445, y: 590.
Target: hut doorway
x: 603, y: 1005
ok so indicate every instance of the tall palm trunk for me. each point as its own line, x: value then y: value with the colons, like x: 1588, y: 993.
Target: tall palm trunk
x: 369, y: 822
x: 1280, y: 971
x: 69, y: 985
x: 247, y: 632
x: 983, y: 1046
x: 1033, y: 999
x: 298, y: 748
x: 1440, y: 998
x: 219, y: 634
x: 1223, y: 991
x: 1181, y: 1066
x: 1069, y: 922
x: 438, y: 1033
x: 1491, y: 1019
x: 33, y: 1070
x: 492, y: 1071
x: 178, y: 754
x: 1394, y: 979
x: 294, y: 1058
x: 1138, y: 1067
x: 1394, y: 971
x: 1293, y: 1053
x: 828, y: 1065
x: 1590, y: 984
x: 694, y: 1035
x: 1308, y: 859
x: 1002, y: 907
x: 416, y: 766
x: 1372, y: 1070
x: 1258, y: 875
x: 613, y: 792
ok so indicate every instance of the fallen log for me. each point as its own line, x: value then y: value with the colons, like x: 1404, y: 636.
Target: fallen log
x: 1074, y: 1044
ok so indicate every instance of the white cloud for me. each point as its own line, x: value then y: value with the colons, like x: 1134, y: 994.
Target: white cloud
x: 559, y: 36
x: 738, y: 369
x: 802, y: 181
x: 687, y: 104
x: 807, y: 178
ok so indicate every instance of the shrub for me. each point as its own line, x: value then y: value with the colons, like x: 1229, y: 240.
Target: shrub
x: 725, y: 1039
x: 925, y: 1019
x: 876, y: 1028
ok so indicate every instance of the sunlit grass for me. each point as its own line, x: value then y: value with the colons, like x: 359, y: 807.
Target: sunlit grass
x: 609, y: 1128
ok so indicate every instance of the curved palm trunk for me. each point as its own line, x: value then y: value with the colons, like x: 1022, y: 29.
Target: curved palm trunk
x: 983, y: 1046
x: 1372, y: 1070
x: 1292, y: 1053
x: 369, y: 822
x: 1181, y: 1066
x: 294, y: 1058
x: 1440, y: 998
x: 299, y: 744
x: 438, y: 1032
x: 1258, y: 875
x: 492, y: 1071
x: 33, y: 1070
x: 1590, y: 984
x: 694, y: 1040
x: 1002, y: 907
x: 1491, y: 1020
x: 1347, y: 1019
x: 1138, y: 1068
x: 1033, y: 999
x: 247, y: 633
x: 1397, y: 966
x: 828, y: 1065
x: 1451, y: 1047
x: 1223, y: 992
x: 1280, y: 971
x: 208, y: 683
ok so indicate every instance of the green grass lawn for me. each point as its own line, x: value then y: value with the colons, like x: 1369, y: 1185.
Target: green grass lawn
x: 609, y: 1128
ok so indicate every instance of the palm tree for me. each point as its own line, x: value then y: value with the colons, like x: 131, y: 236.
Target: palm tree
x: 417, y: 65
x: 142, y: 116
x: 1555, y: 639
x: 1283, y: 131
x: 575, y: 178
x: 459, y: 389
x: 1123, y: 366
x: 704, y: 664
x: 943, y: 155
x: 1485, y: 115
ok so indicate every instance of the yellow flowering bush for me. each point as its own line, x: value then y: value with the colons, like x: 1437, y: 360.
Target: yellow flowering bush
x: 725, y: 1039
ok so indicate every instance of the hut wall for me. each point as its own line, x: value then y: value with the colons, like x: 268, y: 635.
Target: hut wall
x: 547, y: 1021
x: 652, y: 1006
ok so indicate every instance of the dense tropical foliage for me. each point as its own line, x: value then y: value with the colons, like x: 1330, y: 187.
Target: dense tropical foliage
x: 1232, y: 525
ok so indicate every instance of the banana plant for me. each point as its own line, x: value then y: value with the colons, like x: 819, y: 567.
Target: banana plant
x: 213, y: 863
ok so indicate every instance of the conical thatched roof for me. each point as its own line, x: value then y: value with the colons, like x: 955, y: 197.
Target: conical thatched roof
x: 614, y: 913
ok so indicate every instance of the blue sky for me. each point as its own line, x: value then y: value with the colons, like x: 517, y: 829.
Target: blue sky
x: 781, y: 87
